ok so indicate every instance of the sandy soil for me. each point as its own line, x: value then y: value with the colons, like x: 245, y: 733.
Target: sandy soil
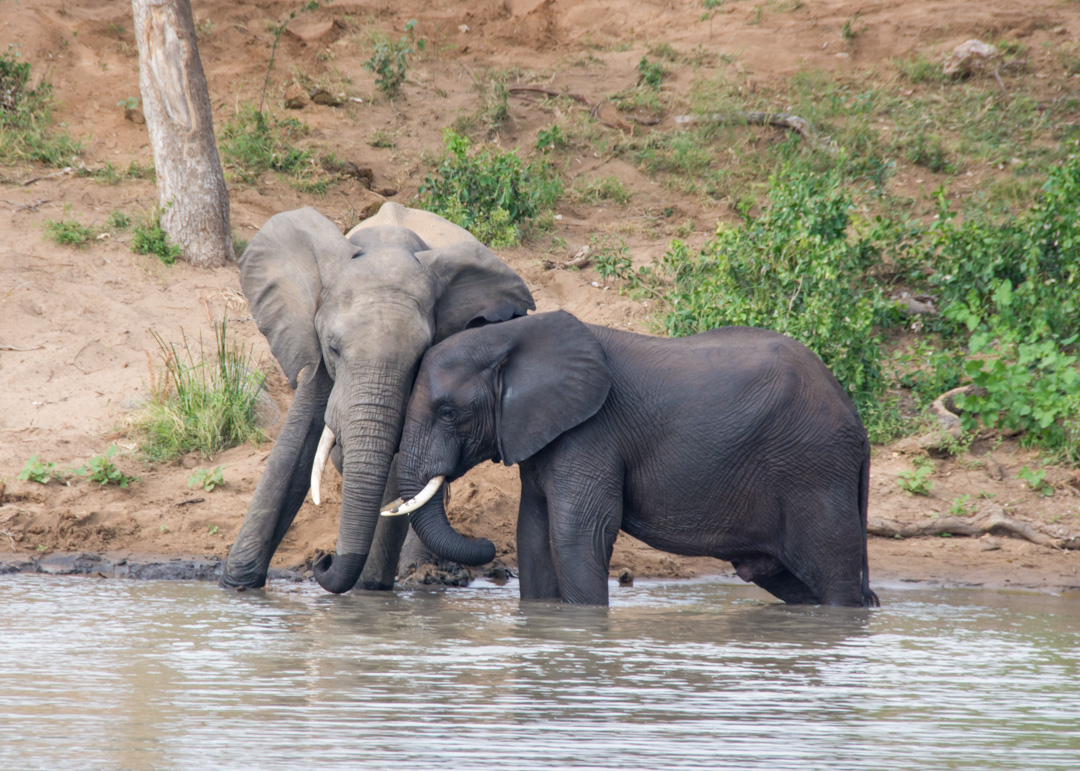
x: 75, y: 324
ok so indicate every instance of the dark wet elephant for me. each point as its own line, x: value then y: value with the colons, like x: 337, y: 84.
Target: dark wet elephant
x: 348, y: 318
x: 736, y: 443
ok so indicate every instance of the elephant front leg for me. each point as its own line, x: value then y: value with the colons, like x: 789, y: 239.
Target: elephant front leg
x: 585, y: 516
x: 536, y: 564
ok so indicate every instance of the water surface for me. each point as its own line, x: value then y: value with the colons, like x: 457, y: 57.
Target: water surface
x: 675, y: 675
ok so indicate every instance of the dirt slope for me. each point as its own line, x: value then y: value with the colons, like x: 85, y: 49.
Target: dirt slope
x: 75, y: 324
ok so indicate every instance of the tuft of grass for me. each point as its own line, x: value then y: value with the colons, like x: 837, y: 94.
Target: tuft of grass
x: 148, y: 237
x: 26, y: 118
x: 68, y: 232
x: 254, y: 142
x: 596, y: 191
x: 203, y: 405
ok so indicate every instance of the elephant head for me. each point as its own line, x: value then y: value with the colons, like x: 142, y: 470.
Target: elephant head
x: 348, y: 319
x: 501, y: 393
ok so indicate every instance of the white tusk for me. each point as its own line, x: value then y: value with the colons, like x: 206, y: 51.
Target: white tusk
x: 326, y: 443
x: 421, y: 498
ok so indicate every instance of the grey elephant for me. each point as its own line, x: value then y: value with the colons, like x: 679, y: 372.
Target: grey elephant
x: 348, y: 319
x: 735, y: 443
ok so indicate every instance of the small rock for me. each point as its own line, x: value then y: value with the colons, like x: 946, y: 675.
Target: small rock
x: 626, y: 577
x: 325, y: 98
x: 385, y: 192
x: 135, y: 115
x: 989, y: 543
x: 968, y: 58
x: 295, y: 98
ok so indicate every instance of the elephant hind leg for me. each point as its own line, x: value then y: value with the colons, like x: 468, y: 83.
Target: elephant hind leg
x: 771, y: 575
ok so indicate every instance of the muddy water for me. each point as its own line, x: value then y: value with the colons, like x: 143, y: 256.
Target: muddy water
x: 117, y: 674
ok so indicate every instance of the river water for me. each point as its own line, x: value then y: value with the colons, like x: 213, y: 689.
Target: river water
x: 116, y: 674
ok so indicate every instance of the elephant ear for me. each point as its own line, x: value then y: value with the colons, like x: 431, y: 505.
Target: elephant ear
x: 474, y: 288
x: 282, y: 272
x: 554, y: 376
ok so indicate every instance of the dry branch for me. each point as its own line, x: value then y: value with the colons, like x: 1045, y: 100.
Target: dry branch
x: 997, y: 523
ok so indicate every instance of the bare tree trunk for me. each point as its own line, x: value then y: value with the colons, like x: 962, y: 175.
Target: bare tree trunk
x: 191, y: 187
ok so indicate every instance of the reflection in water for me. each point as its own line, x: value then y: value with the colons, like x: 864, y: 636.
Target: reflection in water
x: 115, y: 674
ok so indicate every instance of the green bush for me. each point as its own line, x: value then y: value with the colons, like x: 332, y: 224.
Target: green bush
x: 491, y: 193
x: 69, y: 232
x: 389, y: 61
x: 792, y: 270
x: 26, y: 118
x: 205, y: 405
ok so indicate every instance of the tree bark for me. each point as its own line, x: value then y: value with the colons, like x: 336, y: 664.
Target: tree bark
x: 191, y: 187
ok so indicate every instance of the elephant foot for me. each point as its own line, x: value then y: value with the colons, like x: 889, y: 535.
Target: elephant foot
x: 241, y: 578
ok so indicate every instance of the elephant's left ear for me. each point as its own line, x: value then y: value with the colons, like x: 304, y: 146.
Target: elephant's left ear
x: 475, y: 288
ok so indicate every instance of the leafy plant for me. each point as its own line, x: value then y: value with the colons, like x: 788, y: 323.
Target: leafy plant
x: 148, y: 237
x: 212, y: 530
x: 389, y: 61
x: 100, y: 469
x: 118, y: 220
x: 550, y: 138
x: 205, y: 404
x: 1036, y: 480
x: 650, y: 74
x: 491, y: 193
x: 26, y: 118
x: 254, y: 142
x: 960, y: 506
x: 207, y: 479
x: 38, y: 471
x: 69, y: 232
x: 916, y: 481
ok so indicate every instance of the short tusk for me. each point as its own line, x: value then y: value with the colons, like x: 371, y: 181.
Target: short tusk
x: 413, y: 504
x: 326, y: 443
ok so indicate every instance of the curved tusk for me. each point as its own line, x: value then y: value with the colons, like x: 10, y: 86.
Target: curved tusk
x: 326, y: 443
x: 421, y: 498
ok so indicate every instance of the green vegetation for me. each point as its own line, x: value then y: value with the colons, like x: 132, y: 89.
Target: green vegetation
x: 39, y: 471
x: 1036, y: 480
x: 26, y: 118
x: 254, y: 142
x: 148, y: 237
x: 491, y: 193
x: 207, y: 479
x: 100, y: 469
x: 204, y: 405
x: 69, y: 232
x: 916, y: 482
x: 389, y: 62
x: 596, y: 191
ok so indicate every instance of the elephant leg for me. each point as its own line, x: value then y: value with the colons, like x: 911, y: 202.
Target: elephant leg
x: 585, y: 517
x: 282, y: 487
x: 536, y: 564
x: 784, y: 585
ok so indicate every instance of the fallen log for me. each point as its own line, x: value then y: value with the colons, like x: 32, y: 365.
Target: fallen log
x: 996, y: 523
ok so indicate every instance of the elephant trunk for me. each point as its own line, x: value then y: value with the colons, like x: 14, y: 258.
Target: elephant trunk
x: 436, y: 533
x: 369, y: 439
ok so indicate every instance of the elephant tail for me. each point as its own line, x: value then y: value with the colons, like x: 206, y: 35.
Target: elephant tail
x: 870, y: 599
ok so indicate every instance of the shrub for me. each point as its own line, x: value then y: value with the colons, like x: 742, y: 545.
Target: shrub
x: 205, y: 405
x: 389, y: 61
x: 254, y: 142
x: 148, y: 237
x: 491, y: 193
x: 68, y: 231
x: 26, y: 118
x: 791, y: 270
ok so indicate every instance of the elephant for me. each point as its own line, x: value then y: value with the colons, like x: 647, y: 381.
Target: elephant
x: 736, y: 443
x: 348, y: 318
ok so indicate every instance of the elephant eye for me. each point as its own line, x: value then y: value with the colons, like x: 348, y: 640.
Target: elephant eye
x: 447, y: 413
x: 333, y: 349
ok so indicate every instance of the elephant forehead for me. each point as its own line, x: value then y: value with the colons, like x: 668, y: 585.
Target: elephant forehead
x: 390, y: 238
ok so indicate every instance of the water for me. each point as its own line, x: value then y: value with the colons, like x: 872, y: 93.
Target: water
x: 112, y: 674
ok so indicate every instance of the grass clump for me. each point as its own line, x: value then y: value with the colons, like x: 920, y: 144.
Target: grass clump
x: 491, y: 193
x: 254, y: 142
x: 26, y: 118
x: 148, y: 237
x: 68, y: 232
x: 205, y: 405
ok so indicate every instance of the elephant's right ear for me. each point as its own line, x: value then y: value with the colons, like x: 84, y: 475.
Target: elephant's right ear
x: 553, y: 375
x: 475, y: 288
x: 282, y: 272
